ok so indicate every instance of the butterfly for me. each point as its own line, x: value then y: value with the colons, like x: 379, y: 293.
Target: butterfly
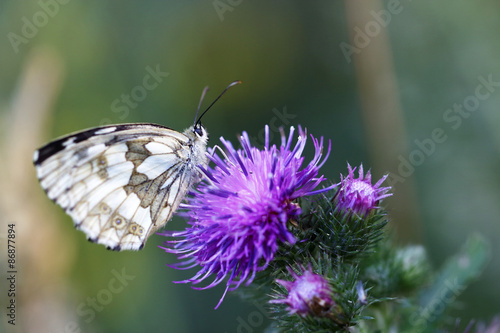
x: 121, y: 183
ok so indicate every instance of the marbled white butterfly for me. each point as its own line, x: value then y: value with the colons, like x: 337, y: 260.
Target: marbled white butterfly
x: 121, y: 183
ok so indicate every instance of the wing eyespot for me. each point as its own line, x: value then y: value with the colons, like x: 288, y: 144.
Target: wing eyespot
x: 119, y: 222
x: 136, y: 229
x: 104, y: 209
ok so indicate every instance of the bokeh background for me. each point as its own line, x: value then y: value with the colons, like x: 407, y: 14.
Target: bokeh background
x: 378, y: 78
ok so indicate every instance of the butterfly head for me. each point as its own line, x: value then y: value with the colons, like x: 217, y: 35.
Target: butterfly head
x: 200, y: 132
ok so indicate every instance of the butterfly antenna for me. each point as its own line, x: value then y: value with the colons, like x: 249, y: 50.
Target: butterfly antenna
x: 222, y: 93
x: 203, y: 93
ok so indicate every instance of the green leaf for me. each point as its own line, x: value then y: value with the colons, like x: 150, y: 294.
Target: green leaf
x: 449, y: 283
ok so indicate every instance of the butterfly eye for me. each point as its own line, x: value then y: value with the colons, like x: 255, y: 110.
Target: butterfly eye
x: 198, y: 130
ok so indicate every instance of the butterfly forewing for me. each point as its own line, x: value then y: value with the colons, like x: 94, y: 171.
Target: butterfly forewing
x: 121, y: 183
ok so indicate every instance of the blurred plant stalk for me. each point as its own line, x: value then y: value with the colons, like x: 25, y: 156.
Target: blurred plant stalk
x: 381, y: 109
x: 43, y: 254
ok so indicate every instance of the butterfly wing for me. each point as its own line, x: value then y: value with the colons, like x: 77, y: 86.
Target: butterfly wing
x: 118, y: 183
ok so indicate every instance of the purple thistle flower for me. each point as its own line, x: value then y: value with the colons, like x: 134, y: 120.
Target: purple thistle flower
x: 359, y: 195
x: 309, y: 293
x: 239, y: 213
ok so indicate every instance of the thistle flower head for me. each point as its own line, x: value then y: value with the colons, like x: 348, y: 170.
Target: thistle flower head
x: 308, y: 294
x: 358, y: 195
x: 238, y: 214
x: 413, y: 264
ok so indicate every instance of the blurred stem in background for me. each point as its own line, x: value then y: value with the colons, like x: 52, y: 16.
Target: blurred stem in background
x: 381, y: 111
x: 43, y: 254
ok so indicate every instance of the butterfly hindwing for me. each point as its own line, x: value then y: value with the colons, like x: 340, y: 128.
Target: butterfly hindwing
x: 120, y: 183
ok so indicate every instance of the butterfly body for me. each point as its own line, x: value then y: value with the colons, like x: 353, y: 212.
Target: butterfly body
x: 121, y: 183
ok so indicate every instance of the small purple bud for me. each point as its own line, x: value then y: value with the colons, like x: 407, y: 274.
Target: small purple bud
x: 308, y: 294
x: 358, y: 195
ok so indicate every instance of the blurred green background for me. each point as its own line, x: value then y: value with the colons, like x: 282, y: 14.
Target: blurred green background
x: 373, y: 77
